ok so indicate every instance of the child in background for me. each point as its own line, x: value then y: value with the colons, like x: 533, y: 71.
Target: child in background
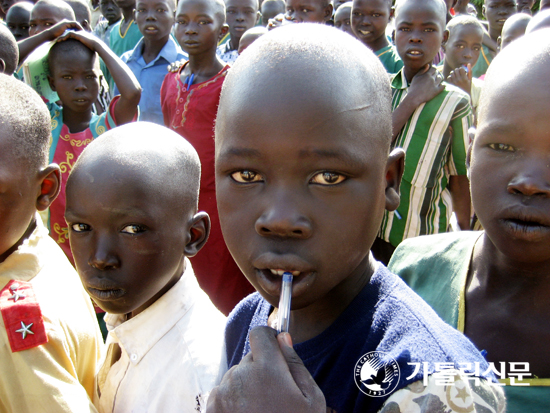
x: 250, y: 36
x: 309, y: 11
x: 73, y: 75
x: 430, y: 122
x: 342, y: 18
x: 131, y: 237
x: 189, y: 99
x: 525, y: 6
x: 112, y: 14
x: 82, y: 13
x: 287, y: 196
x: 513, y: 29
x: 369, y: 19
x: 462, y: 50
x: 47, y: 13
x: 541, y: 20
x: 493, y: 285
x: 50, y: 341
x: 270, y: 9
x: 125, y: 34
x: 240, y: 15
x: 496, y: 12
x: 153, y: 53
x: 18, y: 19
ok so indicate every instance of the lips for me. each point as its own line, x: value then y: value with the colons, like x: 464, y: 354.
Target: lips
x: 414, y: 53
x: 269, y: 268
x: 104, y: 290
x: 526, y: 224
x: 150, y: 29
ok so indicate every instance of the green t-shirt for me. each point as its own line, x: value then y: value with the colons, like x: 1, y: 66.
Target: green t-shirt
x: 485, y: 58
x: 436, y: 268
x: 390, y: 59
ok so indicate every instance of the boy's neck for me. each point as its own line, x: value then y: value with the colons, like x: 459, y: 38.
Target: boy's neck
x: 234, y: 43
x: 502, y: 276
x: 76, y: 121
x: 312, y: 320
x: 378, y: 44
x: 410, y: 74
x: 494, y: 33
x: 204, y: 66
x: 115, y: 22
x: 127, y: 15
x: 152, y: 48
x: 14, y: 247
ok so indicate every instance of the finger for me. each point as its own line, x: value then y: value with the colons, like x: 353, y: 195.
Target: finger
x: 469, y: 71
x: 264, y: 347
x: 425, y: 68
x: 301, y: 375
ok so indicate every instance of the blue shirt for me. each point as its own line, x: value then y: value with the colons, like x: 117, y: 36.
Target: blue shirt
x: 151, y: 75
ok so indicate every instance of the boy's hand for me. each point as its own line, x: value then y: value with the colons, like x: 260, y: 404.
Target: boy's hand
x: 426, y: 85
x: 84, y: 37
x: 271, y: 378
x: 57, y: 30
x: 462, y: 78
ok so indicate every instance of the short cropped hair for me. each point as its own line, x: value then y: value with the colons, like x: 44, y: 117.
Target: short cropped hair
x: 81, y: 10
x: 27, y: 120
x: 464, y: 20
x: 60, y: 5
x: 65, y: 47
x: 9, y: 52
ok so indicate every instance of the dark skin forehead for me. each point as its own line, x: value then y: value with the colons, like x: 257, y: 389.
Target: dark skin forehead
x: 215, y: 10
x: 44, y: 11
x: 19, y: 13
x: 406, y: 11
x: 460, y: 31
x: 313, y: 108
x: 242, y: 3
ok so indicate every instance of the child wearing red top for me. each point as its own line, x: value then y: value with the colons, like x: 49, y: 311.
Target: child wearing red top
x: 189, y: 100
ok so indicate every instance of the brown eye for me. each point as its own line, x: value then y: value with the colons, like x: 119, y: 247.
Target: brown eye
x: 327, y: 178
x: 246, y: 176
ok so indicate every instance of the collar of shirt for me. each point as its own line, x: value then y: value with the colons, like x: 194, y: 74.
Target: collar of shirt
x: 27, y: 261
x: 139, y: 334
x: 399, y: 81
x: 169, y: 52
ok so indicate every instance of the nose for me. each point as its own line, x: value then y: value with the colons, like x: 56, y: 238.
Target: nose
x: 532, y: 179
x: 467, y: 53
x: 415, y: 37
x: 103, y: 257
x: 190, y: 29
x: 150, y: 15
x: 239, y: 17
x: 283, y: 219
x: 80, y: 85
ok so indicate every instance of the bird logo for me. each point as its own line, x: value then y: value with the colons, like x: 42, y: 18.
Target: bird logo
x: 376, y: 374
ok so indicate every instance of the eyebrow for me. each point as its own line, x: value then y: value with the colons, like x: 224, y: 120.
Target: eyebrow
x: 428, y: 23
x: 236, y: 152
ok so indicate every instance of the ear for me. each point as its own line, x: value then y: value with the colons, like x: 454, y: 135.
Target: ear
x: 52, y: 83
x: 328, y: 11
x: 499, y: 43
x: 392, y: 12
x: 86, y: 26
x: 483, y: 11
x: 394, y: 171
x: 223, y: 31
x: 445, y: 37
x: 50, y: 185
x: 199, y: 230
x: 2, y: 66
x: 258, y: 17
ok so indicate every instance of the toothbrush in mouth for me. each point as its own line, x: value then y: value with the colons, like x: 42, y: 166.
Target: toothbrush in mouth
x: 283, y: 321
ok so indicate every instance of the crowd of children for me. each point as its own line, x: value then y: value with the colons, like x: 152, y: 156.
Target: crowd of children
x: 169, y: 161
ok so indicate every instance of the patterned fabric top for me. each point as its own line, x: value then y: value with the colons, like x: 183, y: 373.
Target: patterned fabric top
x: 435, y: 140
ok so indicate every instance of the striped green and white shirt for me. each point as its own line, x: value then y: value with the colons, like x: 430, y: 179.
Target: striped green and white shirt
x: 435, y: 140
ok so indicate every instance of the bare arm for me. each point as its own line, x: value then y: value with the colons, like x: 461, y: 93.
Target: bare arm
x: 27, y: 46
x: 425, y: 86
x: 459, y: 186
x: 126, y: 82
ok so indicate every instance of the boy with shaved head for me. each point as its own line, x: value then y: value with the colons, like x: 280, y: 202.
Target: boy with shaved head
x: 493, y: 285
x: 49, y: 338
x: 288, y: 182
x: 132, y: 210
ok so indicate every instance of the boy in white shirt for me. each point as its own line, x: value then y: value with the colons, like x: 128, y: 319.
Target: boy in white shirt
x: 132, y: 213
